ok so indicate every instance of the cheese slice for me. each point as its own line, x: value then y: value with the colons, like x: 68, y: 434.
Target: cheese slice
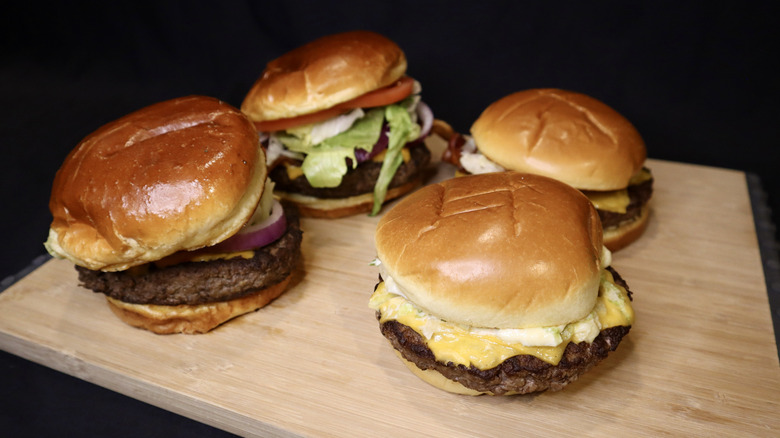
x: 617, y: 200
x: 486, y: 348
x: 293, y: 171
x: 381, y: 156
x: 205, y: 257
x: 195, y: 256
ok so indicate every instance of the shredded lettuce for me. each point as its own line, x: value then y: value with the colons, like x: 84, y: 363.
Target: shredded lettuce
x: 325, y: 161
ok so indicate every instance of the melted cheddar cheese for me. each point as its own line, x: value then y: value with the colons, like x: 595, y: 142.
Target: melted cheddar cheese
x: 378, y: 158
x: 293, y: 171
x: 222, y: 255
x: 195, y: 256
x: 616, y: 200
x: 486, y: 348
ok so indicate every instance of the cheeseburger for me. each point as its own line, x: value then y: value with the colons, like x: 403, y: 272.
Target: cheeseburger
x: 573, y: 138
x: 342, y: 124
x: 498, y: 284
x: 168, y: 211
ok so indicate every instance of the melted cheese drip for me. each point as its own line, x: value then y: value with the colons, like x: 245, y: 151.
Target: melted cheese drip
x: 614, y: 200
x: 378, y: 158
x: 293, y: 171
x: 617, y: 200
x: 486, y: 348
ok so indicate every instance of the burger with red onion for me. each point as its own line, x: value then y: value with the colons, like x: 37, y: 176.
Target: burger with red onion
x: 169, y: 212
x: 342, y: 124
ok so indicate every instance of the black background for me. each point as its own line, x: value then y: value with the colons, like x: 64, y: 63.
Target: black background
x: 698, y: 79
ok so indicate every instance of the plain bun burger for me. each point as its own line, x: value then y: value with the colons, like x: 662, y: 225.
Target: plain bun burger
x: 342, y: 123
x: 498, y: 284
x: 168, y: 211
x: 573, y: 138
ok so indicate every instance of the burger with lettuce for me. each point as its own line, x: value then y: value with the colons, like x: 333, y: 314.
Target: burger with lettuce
x: 342, y: 124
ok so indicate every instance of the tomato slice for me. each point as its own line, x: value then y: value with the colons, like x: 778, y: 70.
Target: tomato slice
x: 383, y: 96
x: 392, y: 93
x: 280, y: 124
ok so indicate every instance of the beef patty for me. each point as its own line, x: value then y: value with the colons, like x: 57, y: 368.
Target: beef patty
x: 519, y: 374
x: 357, y: 181
x: 639, y: 195
x: 203, y: 282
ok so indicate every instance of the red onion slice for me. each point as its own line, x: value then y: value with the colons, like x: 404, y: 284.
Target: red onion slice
x: 362, y: 155
x: 257, y: 235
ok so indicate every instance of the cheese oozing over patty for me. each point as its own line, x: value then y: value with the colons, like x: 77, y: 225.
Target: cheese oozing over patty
x: 485, y: 347
x: 616, y: 201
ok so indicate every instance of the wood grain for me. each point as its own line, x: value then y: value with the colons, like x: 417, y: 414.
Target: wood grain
x: 700, y: 360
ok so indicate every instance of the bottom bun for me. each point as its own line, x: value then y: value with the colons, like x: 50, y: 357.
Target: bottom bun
x: 311, y: 206
x: 436, y: 379
x: 191, y: 319
x: 619, y: 237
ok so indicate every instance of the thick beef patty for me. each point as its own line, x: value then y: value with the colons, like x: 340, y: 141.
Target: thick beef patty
x: 639, y: 195
x: 357, y: 181
x: 203, y: 282
x: 519, y: 374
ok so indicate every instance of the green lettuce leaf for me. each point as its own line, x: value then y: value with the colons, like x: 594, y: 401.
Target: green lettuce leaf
x: 325, y: 163
x: 402, y: 130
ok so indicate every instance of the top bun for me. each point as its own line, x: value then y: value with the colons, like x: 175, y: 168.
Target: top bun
x: 178, y: 175
x: 324, y: 73
x: 496, y: 250
x: 568, y: 136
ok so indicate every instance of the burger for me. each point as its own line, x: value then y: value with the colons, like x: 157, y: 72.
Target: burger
x: 498, y: 284
x: 573, y: 138
x: 169, y: 212
x: 342, y: 124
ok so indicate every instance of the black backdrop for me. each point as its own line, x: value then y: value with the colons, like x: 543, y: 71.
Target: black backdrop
x: 698, y: 79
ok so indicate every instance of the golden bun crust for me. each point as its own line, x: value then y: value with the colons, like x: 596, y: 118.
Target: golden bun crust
x: 561, y: 134
x: 437, y: 379
x: 310, y: 206
x: 497, y: 250
x: 191, y: 319
x: 324, y: 73
x: 616, y: 238
x: 177, y: 175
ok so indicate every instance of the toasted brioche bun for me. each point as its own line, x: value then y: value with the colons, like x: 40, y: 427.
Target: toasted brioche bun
x: 498, y: 250
x: 564, y: 135
x: 177, y: 175
x: 191, y: 319
x: 616, y: 238
x: 437, y: 379
x: 324, y: 73
x: 311, y: 206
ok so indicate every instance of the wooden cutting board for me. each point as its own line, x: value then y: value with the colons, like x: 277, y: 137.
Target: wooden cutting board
x: 700, y: 360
